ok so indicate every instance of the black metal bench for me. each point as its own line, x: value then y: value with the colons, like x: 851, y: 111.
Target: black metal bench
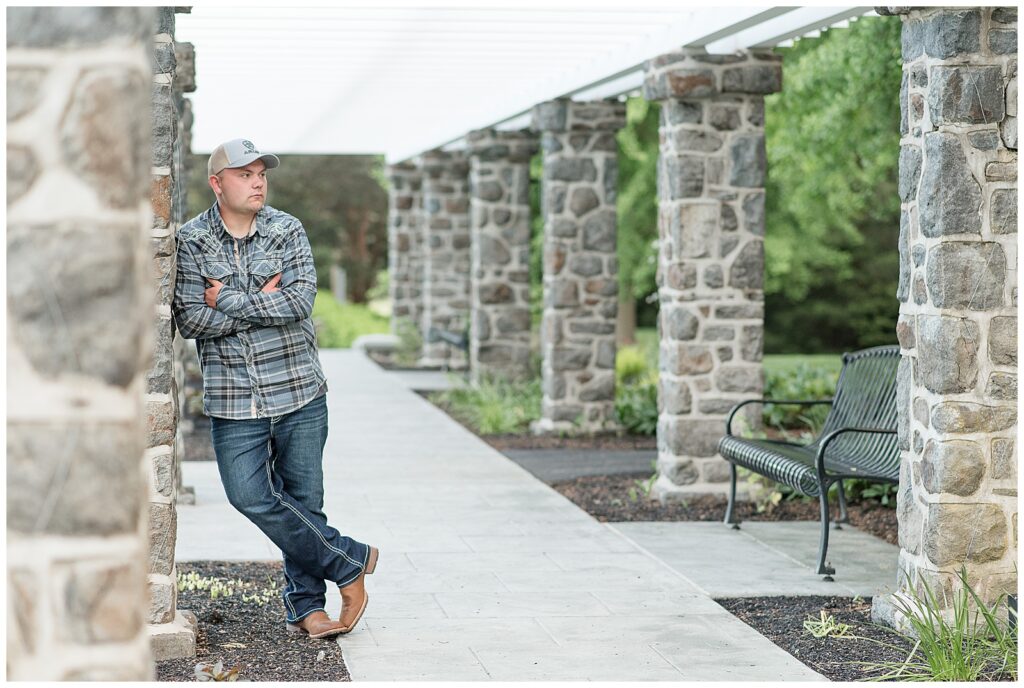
x: 460, y: 340
x: 858, y: 440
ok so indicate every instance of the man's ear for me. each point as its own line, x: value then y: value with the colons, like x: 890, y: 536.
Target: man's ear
x: 214, y: 181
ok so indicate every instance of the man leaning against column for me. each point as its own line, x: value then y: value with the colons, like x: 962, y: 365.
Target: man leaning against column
x: 244, y: 291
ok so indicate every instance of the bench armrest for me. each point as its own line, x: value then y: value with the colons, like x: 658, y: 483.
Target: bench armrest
x: 795, y: 402
x: 819, y: 460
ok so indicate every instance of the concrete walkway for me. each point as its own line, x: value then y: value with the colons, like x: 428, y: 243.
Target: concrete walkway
x: 487, y: 573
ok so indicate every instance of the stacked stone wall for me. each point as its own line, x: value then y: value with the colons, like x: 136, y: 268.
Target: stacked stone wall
x: 172, y: 633
x: 446, y: 254
x: 183, y: 82
x: 500, y: 262
x: 711, y: 205
x: 581, y: 266
x: 405, y: 245
x: 79, y: 341
x: 957, y: 383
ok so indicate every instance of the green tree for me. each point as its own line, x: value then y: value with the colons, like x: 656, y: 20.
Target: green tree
x: 637, y: 211
x: 832, y: 219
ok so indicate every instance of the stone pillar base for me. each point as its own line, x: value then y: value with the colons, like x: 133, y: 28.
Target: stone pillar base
x: 667, y: 492
x: 457, y: 364
x: 175, y: 639
x: 884, y: 612
x: 547, y: 426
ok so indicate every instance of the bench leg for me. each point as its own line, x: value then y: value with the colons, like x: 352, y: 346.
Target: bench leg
x: 823, y: 568
x: 730, y: 518
x: 844, y: 517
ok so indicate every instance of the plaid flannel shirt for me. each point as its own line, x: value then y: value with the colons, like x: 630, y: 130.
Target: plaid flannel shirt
x: 257, y: 350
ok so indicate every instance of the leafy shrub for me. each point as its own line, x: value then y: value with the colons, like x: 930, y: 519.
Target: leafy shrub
x: 802, y: 381
x: 410, y: 343
x: 858, y: 490
x: 495, y: 406
x: 630, y: 365
x: 339, y: 324
x: 637, y: 406
x: 381, y: 286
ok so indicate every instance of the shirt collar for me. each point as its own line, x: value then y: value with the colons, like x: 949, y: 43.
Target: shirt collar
x: 261, y: 220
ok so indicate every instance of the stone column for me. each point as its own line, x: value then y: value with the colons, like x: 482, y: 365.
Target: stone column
x: 580, y: 263
x: 500, y: 267
x: 405, y: 245
x: 711, y: 198
x: 445, y: 223
x: 79, y: 340
x: 171, y: 633
x: 184, y: 82
x: 957, y: 383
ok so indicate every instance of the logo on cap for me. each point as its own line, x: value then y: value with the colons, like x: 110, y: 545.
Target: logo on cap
x: 249, y: 147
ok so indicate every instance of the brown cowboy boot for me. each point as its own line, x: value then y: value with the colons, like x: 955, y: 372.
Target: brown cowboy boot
x: 354, y: 596
x: 318, y: 625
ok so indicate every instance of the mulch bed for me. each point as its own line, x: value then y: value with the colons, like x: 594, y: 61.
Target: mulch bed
x: 781, y: 620
x: 249, y: 635
x: 598, y: 442
x: 608, y: 498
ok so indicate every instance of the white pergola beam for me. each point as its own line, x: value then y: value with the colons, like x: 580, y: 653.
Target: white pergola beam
x: 770, y: 33
x: 402, y: 77
x: 763, y: 31
x: 685, y: 29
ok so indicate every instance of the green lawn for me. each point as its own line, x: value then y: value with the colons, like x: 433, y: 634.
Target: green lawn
x: 778, y: 363
x: 337, y: 324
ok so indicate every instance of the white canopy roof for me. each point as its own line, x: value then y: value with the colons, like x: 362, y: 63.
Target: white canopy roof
x: 405, y: 76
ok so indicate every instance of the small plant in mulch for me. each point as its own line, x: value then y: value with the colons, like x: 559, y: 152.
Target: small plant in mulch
x: 826, y: 626
x: 225, y: 587
x: 216, y: 672
x: 971, y: 645
x: 645, y: 485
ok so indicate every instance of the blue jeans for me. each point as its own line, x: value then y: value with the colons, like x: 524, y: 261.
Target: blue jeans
x: 273, y: 474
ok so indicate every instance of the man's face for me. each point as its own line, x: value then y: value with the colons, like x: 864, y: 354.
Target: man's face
x: 242, y: 189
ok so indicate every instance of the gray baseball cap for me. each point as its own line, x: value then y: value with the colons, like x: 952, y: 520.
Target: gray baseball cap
x: 238, y: 153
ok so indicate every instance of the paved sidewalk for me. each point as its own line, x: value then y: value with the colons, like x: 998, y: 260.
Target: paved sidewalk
x: 552, y: 465
x: 429, y: 380
x: 485, y: 572
x: 768, y: 558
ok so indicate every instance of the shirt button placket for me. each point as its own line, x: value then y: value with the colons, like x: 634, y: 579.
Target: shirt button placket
x: 243, y: 278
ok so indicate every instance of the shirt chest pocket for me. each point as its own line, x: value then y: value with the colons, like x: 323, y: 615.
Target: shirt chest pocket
x: 261, y: 270
x: 219, y: 270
